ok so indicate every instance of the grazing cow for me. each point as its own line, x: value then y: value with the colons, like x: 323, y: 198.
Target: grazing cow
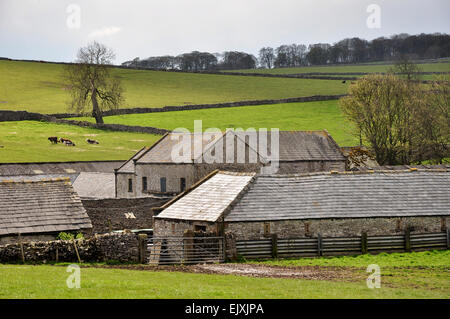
x: 92, y: 141
x: 53, y: 139
x: 66, y: 142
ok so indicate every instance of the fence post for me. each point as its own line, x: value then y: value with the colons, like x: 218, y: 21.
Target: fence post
x: 408, y: 239
x: 274, y: 246
x: 21, y: 248
x: 448, y: 237
x: 188, y: 243
x: 319, y: 245
x: 76, y: 250
x: 364, y: 248
x: 142, y: 247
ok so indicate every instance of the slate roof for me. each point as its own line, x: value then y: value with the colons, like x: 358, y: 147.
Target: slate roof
x: 161, y: 152
x: 325, y: 195
x: 95, y: 185
x: 316, y: 195
x: 11, y: 169
x: 293, y: 146
x: 400, y: 167
x: 207, y: 202
x: 45, y: 206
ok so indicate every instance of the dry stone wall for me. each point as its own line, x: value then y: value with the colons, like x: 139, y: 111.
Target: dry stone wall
x: 118, y: 247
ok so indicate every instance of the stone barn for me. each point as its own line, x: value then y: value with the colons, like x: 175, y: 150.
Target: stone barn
x: 39, y: 210
x: 252, y: 206
x: 155, y: 171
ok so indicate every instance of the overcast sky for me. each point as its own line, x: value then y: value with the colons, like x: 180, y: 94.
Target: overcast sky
x: 53, y: 30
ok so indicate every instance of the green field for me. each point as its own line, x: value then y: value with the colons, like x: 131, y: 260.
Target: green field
x: 426, y: 67
x: 26, y: 141
x: 290, y: 116
x: 38, y: 87
x: 417, y: 275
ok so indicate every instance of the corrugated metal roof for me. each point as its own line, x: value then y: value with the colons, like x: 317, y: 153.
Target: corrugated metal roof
x: 40, y: 207
x: 208, y: 201
x: 378, y: 194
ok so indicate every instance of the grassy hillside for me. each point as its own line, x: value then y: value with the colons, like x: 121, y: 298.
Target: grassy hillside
x: 27, y: 142
x: 38, y: 87
x: 426, y: 67
x: 289, y: 116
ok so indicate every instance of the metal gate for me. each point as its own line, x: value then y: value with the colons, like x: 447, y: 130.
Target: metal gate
x: 186, y: 250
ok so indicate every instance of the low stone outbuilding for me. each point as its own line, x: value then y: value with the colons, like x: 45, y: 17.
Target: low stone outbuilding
x: 154, y: 171
x: 39, y: 210
x: 333, y: 204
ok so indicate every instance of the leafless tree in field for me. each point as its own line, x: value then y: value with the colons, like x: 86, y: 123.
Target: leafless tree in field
x: 403, y: 122
x: 91, y: 83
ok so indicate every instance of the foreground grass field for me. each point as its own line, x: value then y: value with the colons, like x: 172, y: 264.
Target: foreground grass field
x: 426, y: 67
x: 289, y: 116
x: 26, y: 141
x: 428, y: 276
x: 38, y: 87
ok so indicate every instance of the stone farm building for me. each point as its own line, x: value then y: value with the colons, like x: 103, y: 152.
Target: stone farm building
x: 253, y: 206
x: 153, y: 170
x: 39, y: 210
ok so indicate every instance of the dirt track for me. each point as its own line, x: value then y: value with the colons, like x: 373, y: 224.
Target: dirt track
x: 253, y: 270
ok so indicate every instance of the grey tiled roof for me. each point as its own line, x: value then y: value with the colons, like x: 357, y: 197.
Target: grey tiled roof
x: 161, y: 152
x: 293, y: 146
x: 351, y: 195
x: 95, y: 185
x: 10, y: 169
x: 208, y: 201
x: 400, y: 167
x: 40, y: 207
x: 128, y: 166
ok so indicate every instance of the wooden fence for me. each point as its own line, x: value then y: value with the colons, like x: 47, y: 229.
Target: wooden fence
x: 275, y: 247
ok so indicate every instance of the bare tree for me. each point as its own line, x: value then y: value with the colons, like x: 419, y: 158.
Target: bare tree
x: 266, y: 57
x: 432, y: 121
x: 379, y: 106
x: 406, y: 68
x: 403, y: 121
x: 91, y: 83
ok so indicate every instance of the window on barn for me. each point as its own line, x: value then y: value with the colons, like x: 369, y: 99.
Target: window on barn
x: 200, y: 228
x: 266, y: 229
x: 163, y: 184
x: 144, y: 183
x: 130, y: 185
x: 182, y: 184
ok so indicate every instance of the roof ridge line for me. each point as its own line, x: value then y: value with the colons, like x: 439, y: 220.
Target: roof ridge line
x: 368, y: 172
x: 42, y: 180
